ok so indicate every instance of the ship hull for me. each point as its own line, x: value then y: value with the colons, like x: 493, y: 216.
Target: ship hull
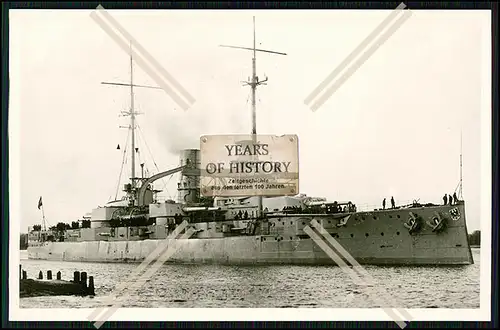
x: 377, y: 238
x: 251, y: 255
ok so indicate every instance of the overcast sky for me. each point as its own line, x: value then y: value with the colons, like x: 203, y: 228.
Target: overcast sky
x: 392, y: 129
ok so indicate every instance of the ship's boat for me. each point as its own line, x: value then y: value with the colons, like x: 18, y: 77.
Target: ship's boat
x: 297, y: 229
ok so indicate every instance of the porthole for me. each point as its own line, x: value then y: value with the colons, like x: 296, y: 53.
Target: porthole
x: 367, y: 235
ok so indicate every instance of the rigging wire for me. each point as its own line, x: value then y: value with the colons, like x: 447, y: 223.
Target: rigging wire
x: 154, y: 162
x: 123, y: 165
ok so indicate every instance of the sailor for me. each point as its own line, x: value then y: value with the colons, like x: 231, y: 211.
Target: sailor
x: 266, y: 210
x: 455, y: 198
x: 450, y: 200
x: 245, y: 216
x: 393, y: 204
x: 445, y: 199
x: 383, y: 204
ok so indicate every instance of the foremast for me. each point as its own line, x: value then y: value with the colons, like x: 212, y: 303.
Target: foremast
x: 253, y: 83
x: 132, y: 113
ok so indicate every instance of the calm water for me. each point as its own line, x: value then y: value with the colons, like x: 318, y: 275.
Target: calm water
x: 205, y: 286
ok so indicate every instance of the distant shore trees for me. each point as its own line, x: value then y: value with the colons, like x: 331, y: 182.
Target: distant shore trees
x: 475, y: 238
x: 23, y: 240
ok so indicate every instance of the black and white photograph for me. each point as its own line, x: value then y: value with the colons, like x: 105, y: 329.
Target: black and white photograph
x: 165, y: 165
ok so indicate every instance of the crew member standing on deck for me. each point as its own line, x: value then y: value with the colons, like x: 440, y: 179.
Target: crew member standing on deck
x: 445, y: 199
x: 455, y: 198
x: 450, y: 200
x: 393, y: 204
x: 383, y: 204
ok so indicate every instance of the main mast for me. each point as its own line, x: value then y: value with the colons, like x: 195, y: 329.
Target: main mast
x: 253, y: 83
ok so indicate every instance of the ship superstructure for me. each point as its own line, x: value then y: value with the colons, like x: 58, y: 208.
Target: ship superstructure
x: 252, y: 230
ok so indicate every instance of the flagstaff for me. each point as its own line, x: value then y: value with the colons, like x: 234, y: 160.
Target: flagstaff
x: 40, y: 207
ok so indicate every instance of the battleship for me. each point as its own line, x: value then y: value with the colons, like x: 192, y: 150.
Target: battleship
x: 250, y: 229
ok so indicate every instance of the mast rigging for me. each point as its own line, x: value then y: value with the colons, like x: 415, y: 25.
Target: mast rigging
x: 253, y: 83
x: 132, y: 113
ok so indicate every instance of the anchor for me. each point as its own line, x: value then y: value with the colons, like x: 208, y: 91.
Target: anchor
x: 413, y: 224
x: 438, y: 223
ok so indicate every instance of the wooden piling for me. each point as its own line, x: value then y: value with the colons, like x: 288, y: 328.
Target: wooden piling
x: 83, y: 280
x: 49, y: 287
x: 76, y: 277
x: 91, y: 289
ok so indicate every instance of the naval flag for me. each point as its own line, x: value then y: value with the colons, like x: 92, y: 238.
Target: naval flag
x: 40, y: 202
